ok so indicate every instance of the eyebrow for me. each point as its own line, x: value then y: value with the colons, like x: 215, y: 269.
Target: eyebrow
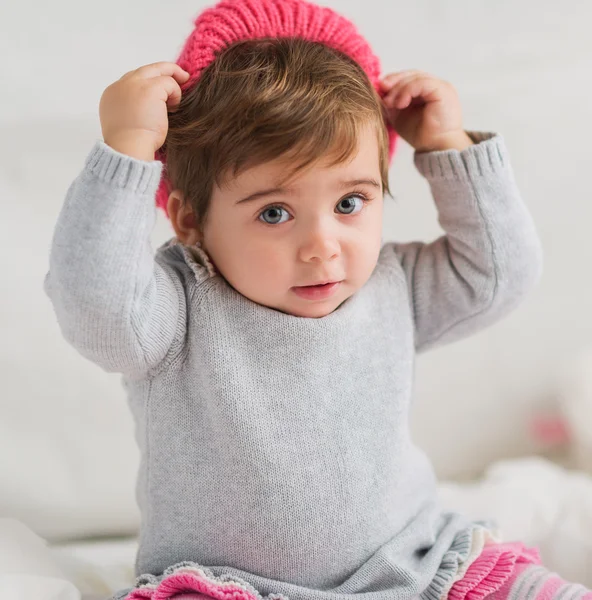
x: 286, y: 191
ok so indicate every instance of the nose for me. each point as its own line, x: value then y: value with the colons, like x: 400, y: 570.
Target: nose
x: 320, y: 244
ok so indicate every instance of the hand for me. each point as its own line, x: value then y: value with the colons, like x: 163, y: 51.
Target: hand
x: 133, y: 109
x: 424, y: 111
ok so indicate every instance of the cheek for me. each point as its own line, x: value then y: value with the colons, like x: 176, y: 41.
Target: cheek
x: 256, y: 253
x: 262, y: 270
x: 269, y: 253
x: 369, y: 250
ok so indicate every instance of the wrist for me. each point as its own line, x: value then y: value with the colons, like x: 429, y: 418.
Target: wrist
x: 457, y: 140
x: 133, y: 146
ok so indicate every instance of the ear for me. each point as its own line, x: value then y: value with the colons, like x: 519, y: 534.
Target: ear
x: 183, y: 219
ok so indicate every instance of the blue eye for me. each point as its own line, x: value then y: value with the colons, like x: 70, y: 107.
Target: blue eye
x: 272, y: 215
x: 274, y: 211
x: 349, y: 206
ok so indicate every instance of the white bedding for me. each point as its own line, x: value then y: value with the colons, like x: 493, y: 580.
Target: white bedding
x: 98, y: 568
x: 31, y: 569
x: 532, y: 499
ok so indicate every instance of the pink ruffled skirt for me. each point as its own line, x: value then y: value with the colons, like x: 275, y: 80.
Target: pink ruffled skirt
x: 499, y: 572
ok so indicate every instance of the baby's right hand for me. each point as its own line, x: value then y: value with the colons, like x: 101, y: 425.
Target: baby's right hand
x: 133, y: 109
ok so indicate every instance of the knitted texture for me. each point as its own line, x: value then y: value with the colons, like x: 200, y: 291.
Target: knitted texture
x: 500, y: 572
x: 276, y: 450
x: 534, y: 582
x: 492, y: 569
x: 231, y: 21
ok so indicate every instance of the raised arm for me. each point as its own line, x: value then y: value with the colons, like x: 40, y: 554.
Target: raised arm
x: 490, y: 255
x: 114, y: 303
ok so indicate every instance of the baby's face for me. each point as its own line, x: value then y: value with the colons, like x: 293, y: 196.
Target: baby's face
x: 324, y: 225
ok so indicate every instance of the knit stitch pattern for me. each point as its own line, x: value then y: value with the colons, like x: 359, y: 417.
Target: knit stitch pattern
x: 275, y: 449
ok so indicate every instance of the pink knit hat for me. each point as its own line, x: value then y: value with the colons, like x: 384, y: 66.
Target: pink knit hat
x: 230, y: 21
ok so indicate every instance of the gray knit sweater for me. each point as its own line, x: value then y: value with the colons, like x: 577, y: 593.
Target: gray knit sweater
x: 276, y: 449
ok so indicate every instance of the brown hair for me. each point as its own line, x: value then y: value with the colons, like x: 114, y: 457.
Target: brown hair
x: 262, y: 99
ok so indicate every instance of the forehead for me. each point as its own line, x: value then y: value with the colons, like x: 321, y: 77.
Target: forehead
x: 364, y: 162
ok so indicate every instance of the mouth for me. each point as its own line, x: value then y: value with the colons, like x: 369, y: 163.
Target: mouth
x: 317, y: 291
x: 320, y: 283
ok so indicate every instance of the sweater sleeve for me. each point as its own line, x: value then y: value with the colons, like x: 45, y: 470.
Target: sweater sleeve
x: 490, y: 255
x: 113, y: 301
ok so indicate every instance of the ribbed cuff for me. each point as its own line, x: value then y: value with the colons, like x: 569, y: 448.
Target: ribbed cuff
x: 487, y: 156
x: 120, y: 170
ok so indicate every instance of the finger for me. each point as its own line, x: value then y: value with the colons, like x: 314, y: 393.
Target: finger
x: 394, y: 94
x: 414, y: 87
x: 171, y: 89
x: 390, y: 80
x: 426, y: 89
x: 391, y: 114
x: 162, y: 68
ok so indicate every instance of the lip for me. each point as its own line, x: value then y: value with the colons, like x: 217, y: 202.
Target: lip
x: 318, y: 291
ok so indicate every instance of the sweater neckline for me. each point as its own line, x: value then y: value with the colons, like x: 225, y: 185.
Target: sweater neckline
x: 196, y: 257
x: 198, y: 260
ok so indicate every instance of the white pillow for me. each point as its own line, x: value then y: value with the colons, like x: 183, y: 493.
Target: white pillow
x: 28, y: 568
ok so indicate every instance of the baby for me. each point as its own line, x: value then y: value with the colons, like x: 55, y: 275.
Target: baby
x: 268, y: 348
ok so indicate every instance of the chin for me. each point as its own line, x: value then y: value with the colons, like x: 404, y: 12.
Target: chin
x: 317, y: 311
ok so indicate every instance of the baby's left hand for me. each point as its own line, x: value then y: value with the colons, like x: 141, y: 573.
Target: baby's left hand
x: 424, y: 111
